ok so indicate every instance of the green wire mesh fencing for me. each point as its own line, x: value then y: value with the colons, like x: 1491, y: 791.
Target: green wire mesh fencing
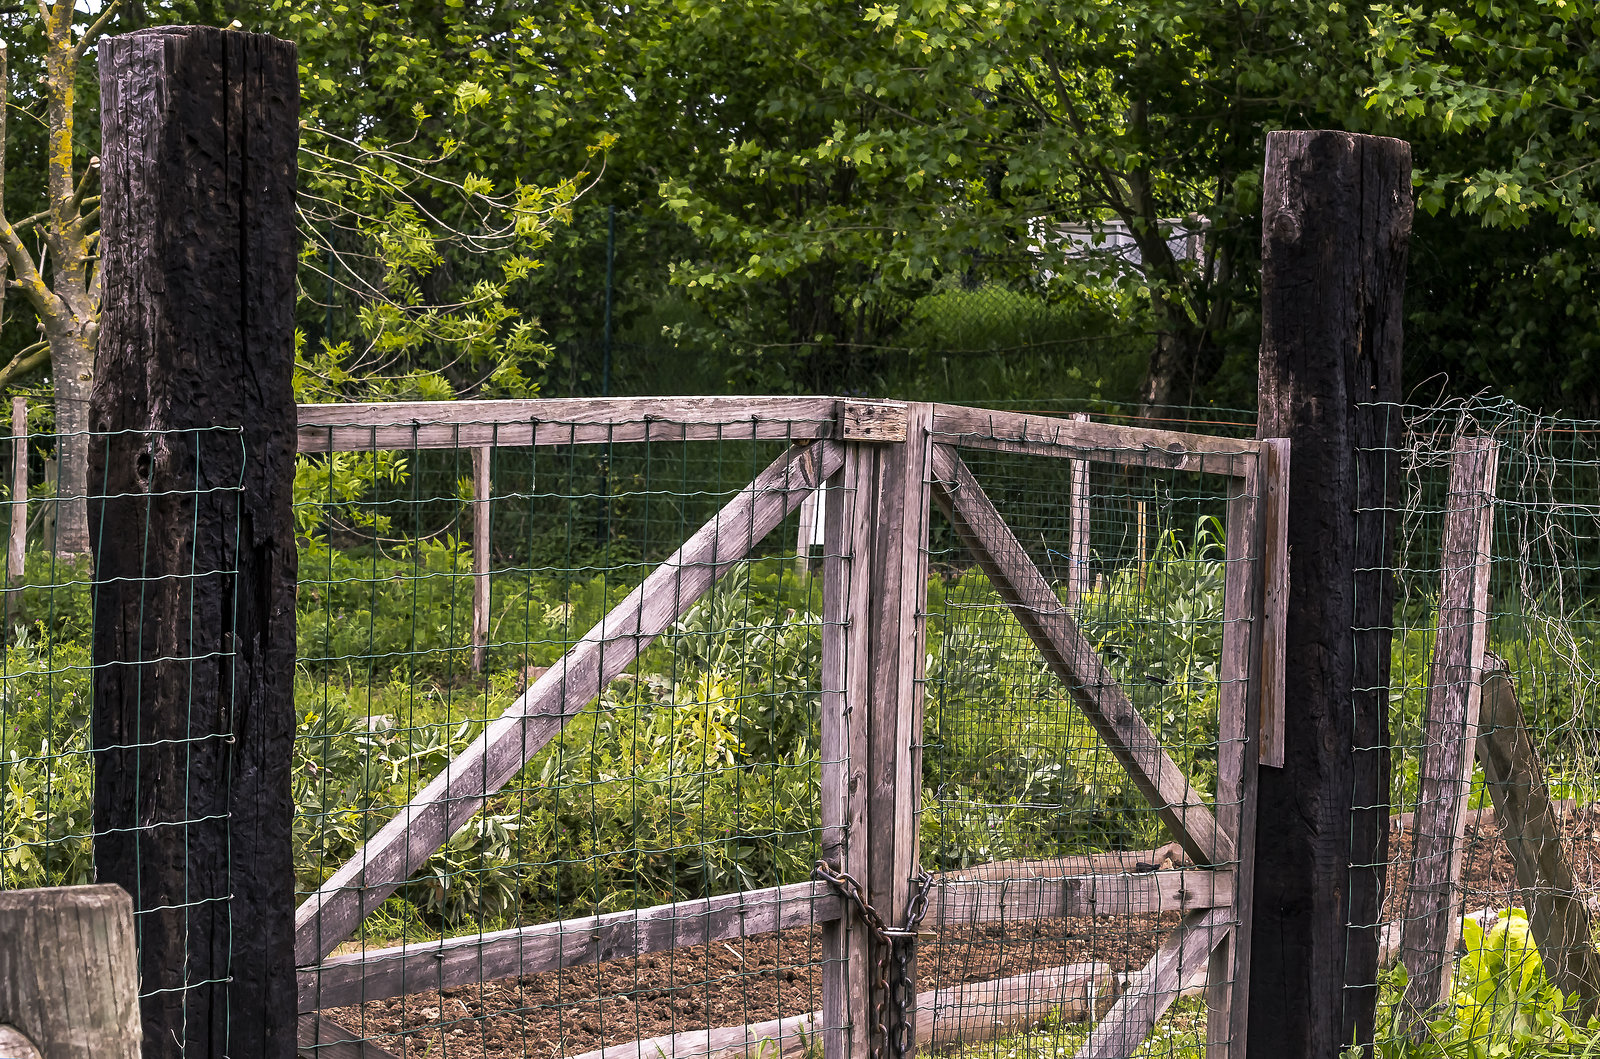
x: 1025, y: 785
x: 58, y: 826
x: 1505, y: 851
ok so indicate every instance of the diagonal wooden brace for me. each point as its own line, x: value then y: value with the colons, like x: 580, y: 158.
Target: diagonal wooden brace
x: 1074, y: 660
x: 406, y: 842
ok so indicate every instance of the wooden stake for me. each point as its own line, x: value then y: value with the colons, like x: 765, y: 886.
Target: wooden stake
x: 1428, y: 945
x: 191, y: 481
x: 1078, y: 574
x: 1558, y: 916
x: 16, y: 556
x: 1336, y: 215
x: 69, y: 985
x: 482, y: 491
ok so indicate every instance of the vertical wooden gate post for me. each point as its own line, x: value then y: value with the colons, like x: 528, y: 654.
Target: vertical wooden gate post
x: 1336, y: 216
x: 875, y: 589
x: 191, y: 473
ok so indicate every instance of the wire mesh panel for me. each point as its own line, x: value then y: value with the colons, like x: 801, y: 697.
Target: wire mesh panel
x: 663, y: 754
x: 1078, y: 671
x: 599, y: 704
x: 159, y: 746
x: 1523, y: 975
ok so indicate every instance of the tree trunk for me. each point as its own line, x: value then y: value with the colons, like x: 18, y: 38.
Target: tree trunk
x: 72, y: 368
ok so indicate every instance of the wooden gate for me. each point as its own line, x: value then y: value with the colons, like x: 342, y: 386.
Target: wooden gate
x: 884, y: 466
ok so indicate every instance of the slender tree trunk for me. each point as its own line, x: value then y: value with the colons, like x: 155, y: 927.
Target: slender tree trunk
x: 72, y: 364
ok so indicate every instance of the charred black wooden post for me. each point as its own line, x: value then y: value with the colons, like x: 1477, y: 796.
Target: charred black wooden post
x: 194, y: 637
x: 1336, y: 216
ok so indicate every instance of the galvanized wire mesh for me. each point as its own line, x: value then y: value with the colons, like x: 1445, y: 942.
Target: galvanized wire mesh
x: 693, y: 774
x: 50, y: 826
x: 1019, y: 785
x: 1545, y: 548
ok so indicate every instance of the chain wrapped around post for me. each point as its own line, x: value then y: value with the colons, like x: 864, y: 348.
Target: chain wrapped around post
x: 892, y: 1001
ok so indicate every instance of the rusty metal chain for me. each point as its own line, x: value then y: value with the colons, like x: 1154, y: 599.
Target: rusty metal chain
x: 893, y: 943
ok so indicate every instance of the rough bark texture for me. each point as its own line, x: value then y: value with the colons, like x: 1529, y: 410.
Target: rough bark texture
x: 67, y: 980
x: 192, y: 530
x: 1335, y: 221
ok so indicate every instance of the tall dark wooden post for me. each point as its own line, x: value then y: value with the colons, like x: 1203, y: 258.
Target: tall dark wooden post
x: 192, y: 530
x: 1336, y: 217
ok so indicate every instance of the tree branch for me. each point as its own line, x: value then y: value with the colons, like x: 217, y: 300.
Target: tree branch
x: 27, y: 359
x: 95, y: 29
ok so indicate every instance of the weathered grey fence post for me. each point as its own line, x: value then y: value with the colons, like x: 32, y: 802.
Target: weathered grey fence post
x: 192, y: 470
x: 1336, y: 217
x: 1450, y: 730
x: 68, y: 984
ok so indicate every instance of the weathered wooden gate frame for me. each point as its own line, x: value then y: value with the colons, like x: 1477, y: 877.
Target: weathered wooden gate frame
x: 888, y: 463
x: 1214, y: 897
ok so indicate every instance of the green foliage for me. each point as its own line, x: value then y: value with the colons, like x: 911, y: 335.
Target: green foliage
x: 1008, y: 777
x: 45, y: 776
x: 1502, y: 1004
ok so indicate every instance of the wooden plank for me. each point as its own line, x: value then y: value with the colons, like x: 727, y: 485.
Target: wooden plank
x: 1275, y: 601
x: 1450, y: 724
x: 1118, y: 862
x: 896, y: 657
x: 482, y: 492
x: 880, y: 421
x: 16, y: 554
x: 977, y: 1012
x: 319, y: 1037
x: 956, y: 904
x: 1078, y: 526
x: 847, y: 540
x: 562, y: 421
x: 983, y: 428
x: 786, y: 1038
x: 833, y: 737
x: 1238, y: 706
x: 984, y: 1011
x: 1148, y: 994
x: 377, y: 974
x: 404, y: 844
x: 1074, y: 660
x: 1558, y: 915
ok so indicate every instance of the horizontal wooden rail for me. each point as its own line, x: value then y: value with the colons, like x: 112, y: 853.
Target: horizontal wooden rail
x: 970, y: 1013
x: 983, y: 428
x: 378, y: 974
x: 594, y: 421
x: 959, y: 904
